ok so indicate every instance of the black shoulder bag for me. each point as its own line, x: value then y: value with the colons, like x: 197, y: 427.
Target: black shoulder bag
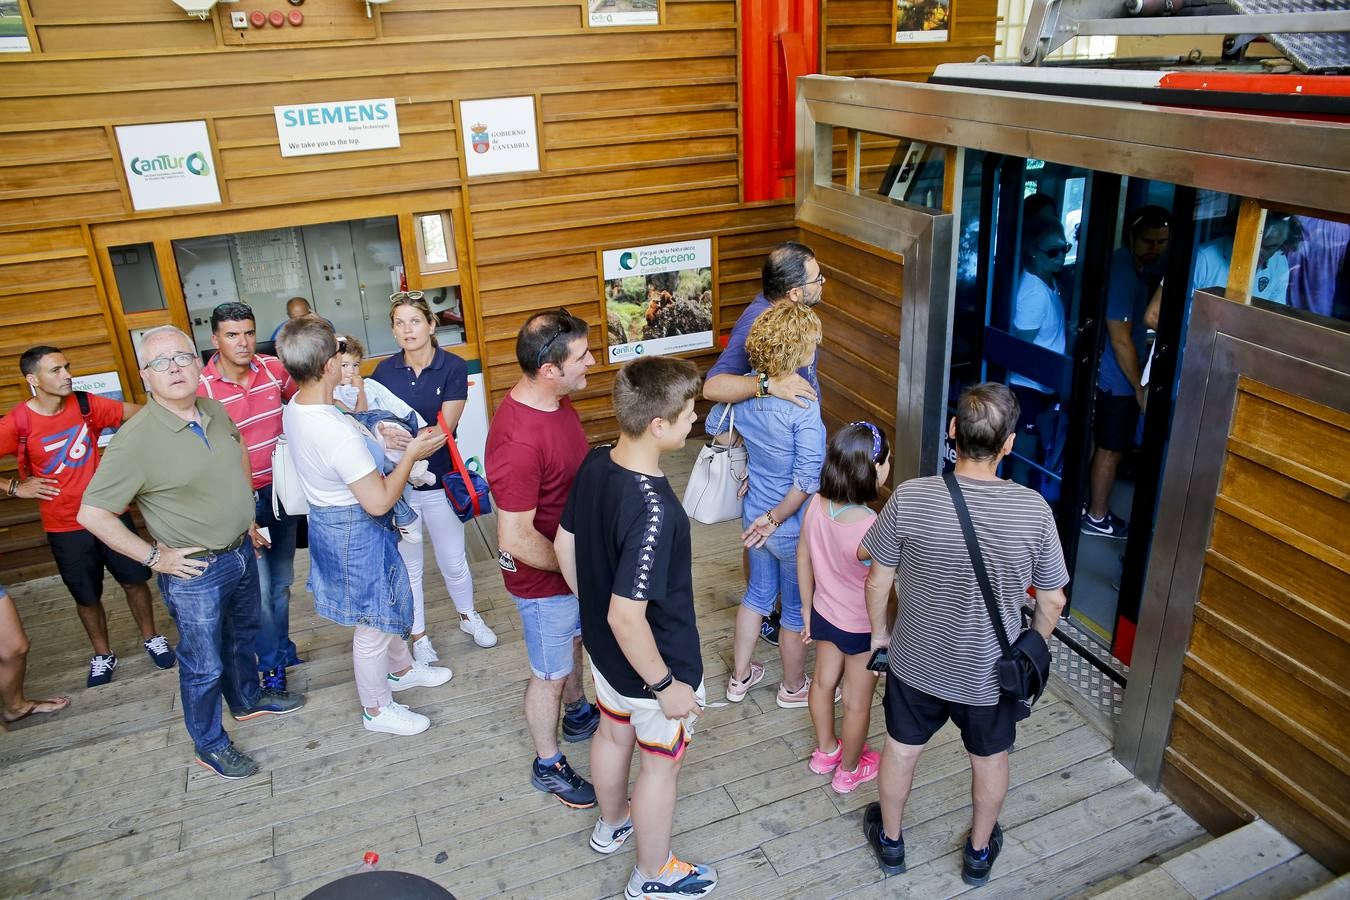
x: 1024, y: 667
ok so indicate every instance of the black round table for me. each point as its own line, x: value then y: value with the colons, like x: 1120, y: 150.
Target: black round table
x: 385, y: 885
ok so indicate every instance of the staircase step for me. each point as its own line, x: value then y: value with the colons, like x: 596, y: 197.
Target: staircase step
x: 1338, y: 889
x: 1253, y: 861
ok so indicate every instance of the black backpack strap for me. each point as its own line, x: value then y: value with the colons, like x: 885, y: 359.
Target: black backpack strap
x: 82, y: 399
x: 981, y: 575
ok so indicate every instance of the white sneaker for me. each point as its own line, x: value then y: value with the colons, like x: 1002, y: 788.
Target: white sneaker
x: 609, y: 838
x: 483, y: 636
x: 395, y: 718
x: 423, y: 652
x: 420, y: 676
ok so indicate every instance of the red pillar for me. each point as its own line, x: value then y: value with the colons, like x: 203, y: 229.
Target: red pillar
x: 780, y: 41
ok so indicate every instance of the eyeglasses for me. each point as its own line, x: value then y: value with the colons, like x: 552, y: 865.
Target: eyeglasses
x: 181, y: 360
x: 1053, y: 252
x: 400, y: 296
x: 819, y: 279
x: 565, y: 327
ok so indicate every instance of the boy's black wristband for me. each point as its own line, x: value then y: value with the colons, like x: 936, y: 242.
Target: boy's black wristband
x: 663, y: 683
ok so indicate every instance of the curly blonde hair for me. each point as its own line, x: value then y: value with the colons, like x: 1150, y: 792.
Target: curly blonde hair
x: 781, y: 336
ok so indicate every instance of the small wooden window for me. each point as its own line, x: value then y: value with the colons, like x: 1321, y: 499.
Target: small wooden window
x: 435, y: 242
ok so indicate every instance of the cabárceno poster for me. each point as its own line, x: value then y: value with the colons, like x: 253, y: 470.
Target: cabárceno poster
x: 658, y: 299
x: 168, y: 164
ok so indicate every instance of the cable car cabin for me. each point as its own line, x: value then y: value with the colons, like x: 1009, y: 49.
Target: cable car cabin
x: 1156, y: 264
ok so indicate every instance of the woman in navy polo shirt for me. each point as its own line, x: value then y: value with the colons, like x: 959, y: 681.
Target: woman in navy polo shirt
x: 432, y: 382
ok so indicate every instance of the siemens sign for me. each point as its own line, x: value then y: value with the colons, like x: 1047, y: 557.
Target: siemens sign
x: 339, y: 127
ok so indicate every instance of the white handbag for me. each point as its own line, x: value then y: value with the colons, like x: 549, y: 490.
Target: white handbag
x: 288, y: 494
x: 713, y: 492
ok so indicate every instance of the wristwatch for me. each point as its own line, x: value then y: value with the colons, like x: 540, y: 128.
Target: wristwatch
x: 762, y: 385
x: 663, y: 683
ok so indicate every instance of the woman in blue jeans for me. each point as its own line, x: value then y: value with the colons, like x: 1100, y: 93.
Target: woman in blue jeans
x: 356, y: 572
x: 786, y: 445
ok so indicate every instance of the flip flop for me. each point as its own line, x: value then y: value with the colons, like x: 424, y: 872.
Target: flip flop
x: 55, y: 704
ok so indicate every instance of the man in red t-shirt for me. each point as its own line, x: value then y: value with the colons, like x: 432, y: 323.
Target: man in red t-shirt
x: 534, y: 447
x: 56, y: 446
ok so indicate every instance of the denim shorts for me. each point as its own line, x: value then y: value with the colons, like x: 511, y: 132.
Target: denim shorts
x: 550, y: 624
x: 773, y: 576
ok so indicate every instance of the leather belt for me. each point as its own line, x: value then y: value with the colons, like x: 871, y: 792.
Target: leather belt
x: 234, y: 545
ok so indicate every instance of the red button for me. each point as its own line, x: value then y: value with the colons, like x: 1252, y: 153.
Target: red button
x: 277, y: 18
x: 296, y: 17
x: 257, y: 18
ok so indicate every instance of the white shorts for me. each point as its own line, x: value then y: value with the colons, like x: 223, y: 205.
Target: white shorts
x: 655, y: 733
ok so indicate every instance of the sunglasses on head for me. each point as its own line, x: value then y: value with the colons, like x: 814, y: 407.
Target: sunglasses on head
x: 341, y: 344
x: 566, y: 326
x: 400, y: 296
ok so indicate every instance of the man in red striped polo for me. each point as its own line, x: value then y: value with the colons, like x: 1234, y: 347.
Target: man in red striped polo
x: 252, y: 387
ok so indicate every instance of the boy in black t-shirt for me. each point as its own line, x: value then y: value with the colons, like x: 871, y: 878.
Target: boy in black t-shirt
x: 623, y: 546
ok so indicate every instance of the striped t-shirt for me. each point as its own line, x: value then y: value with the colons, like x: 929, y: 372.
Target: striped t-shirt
x: 943, y: 642
x: 255, y: 408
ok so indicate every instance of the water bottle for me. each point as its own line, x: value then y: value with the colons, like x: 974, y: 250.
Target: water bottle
x: 369, y: 861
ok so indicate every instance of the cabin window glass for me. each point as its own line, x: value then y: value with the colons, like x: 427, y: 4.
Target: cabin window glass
x: 137, y: 276
x: 1303, y: 263
x: 435, y: 242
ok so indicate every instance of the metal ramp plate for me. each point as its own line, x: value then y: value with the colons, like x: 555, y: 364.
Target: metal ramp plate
x: 1313, y: 52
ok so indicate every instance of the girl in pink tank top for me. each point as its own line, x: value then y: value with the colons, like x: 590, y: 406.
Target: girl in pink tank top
x: 831, y: 570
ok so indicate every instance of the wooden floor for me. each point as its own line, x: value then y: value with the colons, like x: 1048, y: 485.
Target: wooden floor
x: 102, y: 799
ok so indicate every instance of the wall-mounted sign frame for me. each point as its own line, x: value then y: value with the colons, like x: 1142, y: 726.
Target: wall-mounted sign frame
x: 922, y: 21
x: 658, y: 299
x: 624, y: 13
x: 501, y: 135
x: 168, y: 165
x: 15, y: 36
x: 341, y: 126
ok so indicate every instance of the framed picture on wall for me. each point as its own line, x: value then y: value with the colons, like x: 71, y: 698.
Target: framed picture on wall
x: 617, y: 13
x: 922, y: 21
x: 658, y: 299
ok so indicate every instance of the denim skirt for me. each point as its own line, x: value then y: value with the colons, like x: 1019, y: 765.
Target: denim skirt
x: 355, y: 571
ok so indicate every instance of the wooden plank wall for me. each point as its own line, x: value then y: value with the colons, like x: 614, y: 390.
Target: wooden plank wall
x: 860, y: 355
x: 639, y: 134
x: 1259, y: 724
x: 857, y: 41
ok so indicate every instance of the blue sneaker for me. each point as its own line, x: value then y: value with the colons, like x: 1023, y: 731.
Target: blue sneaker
x: 1111, y: 525
x: 275, y: 679
x: 227, y: 762
x: 158, y: 647
x: 563, y: 782
x: 270, y: 703
x: 580, y: 725
x: 101, y: 669
x: 975, y: 866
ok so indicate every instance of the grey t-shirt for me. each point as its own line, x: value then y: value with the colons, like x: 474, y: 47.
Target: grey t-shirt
x: 943, y: 642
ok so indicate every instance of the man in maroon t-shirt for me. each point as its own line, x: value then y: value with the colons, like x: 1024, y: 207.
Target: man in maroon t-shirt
x: 534, y: 447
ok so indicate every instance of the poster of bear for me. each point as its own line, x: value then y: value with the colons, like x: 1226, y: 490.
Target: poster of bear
x: 658, y: 299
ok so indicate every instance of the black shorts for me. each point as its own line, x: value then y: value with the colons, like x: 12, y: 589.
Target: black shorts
x: 913, y: 717
x: 1114, y: 421
x: 81, y: 557
x: 850, y: 643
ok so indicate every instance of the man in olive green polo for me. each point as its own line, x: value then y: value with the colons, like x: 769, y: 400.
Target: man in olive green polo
x: 183, y: 463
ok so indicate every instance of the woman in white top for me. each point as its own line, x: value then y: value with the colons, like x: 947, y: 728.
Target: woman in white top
x: 357, y: 575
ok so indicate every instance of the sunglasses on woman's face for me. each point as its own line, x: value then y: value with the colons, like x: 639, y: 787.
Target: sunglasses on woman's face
x: 400, y: 296
x: 1054, y: 252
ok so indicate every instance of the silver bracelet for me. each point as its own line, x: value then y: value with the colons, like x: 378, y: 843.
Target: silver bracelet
x: 152, y: 558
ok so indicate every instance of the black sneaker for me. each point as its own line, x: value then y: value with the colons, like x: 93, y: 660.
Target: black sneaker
x: 581, y: 726
x: 768, y: 629
x: 157, y: 645
x: 975, y: 866
x: 101, y: 669
x: 275, y: 679
x: 1112, y: 525
x: 891, y: 859
x: 270, y: 703
x: 562, y: 782
x: 228, y: 762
